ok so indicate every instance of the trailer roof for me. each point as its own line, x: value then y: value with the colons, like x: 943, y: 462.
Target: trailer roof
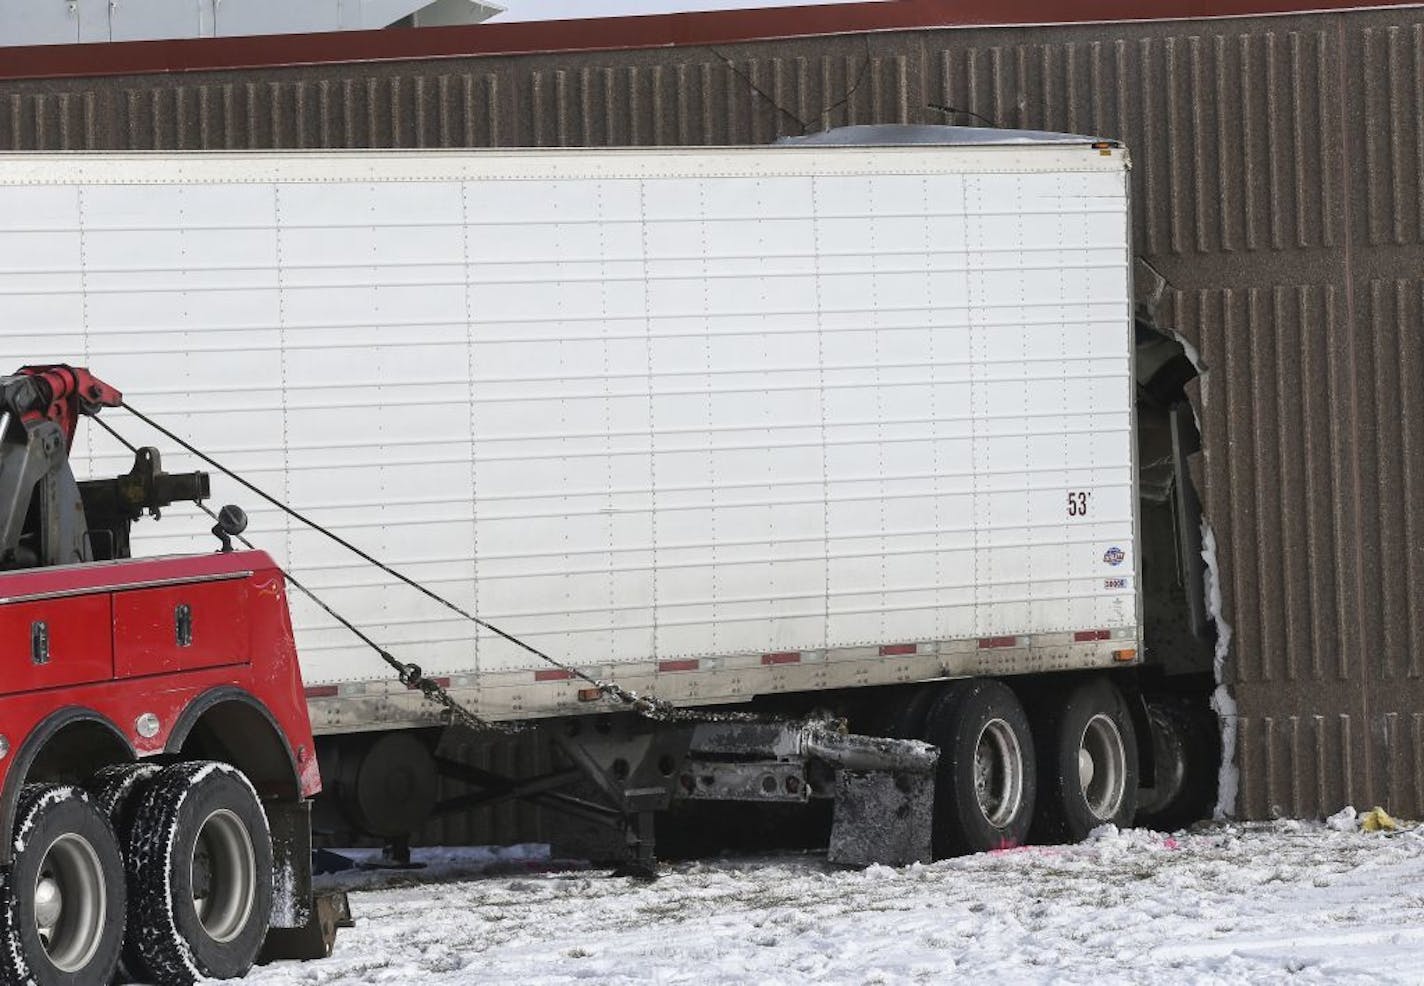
x: 899, y: 134
x: 609, y: 34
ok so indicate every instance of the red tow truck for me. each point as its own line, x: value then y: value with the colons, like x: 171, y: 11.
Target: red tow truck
x: 156, y: 757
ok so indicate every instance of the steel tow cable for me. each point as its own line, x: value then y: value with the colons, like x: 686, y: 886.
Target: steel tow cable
x: 410, y: 675
x: 647, y: 706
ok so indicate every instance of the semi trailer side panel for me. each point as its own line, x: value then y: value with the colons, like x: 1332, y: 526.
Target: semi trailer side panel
x: 713, y: 423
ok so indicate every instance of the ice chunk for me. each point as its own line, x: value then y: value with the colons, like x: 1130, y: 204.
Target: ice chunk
x: 1229, y: 778
x: 1344, y: 820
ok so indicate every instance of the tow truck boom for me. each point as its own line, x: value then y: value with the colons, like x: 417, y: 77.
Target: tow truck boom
x: 46, y: 517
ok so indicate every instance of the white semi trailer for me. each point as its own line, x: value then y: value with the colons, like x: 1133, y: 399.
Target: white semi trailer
x: 826, y: 425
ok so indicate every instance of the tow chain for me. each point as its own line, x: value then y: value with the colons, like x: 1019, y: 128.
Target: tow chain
x: 411, y: 675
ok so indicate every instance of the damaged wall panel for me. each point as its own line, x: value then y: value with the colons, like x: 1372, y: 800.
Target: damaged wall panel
x: 1279, y: 187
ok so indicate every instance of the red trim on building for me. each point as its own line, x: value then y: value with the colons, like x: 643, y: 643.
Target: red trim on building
x: 609, y: 34
x: 782, y: 657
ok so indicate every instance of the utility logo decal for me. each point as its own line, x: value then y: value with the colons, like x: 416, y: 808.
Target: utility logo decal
x: 1114, y: 556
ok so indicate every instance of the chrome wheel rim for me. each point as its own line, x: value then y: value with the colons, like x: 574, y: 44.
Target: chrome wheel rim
x: 224, y: 875
x: 70, y: 902
x: 1102, y: 767
x: 998, y: 772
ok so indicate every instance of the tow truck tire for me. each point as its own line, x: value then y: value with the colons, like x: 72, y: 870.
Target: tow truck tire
x: 1087, y: 759
x: 984, y: 785
x: 62, y: 899
x: 115, y: 790
x: 199, y: 875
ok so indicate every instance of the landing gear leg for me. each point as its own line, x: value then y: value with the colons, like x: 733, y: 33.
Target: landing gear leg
x: 396, y: 855
x: 642, y: 861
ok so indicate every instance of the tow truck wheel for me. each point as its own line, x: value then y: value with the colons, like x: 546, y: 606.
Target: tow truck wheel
x: 62, y: 899
x: 116, y: 790
x: 1087, y: 757
x: 200, y: 875
x: 984, y: 786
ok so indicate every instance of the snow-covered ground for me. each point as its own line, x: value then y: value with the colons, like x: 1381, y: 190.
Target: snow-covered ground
x: 1230, y: 903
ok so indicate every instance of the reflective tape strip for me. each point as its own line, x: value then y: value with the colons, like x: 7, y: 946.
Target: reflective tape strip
x: 690, y: 664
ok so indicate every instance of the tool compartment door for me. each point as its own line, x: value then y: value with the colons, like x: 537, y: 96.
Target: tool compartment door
x: 56, y: 642
x: 180, y: 628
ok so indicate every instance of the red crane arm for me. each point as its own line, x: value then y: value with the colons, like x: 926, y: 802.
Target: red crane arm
x: 62, y: 394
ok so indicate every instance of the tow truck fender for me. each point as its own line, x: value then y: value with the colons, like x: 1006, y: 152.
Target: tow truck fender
x: 274, y: 773
x: 38, y: 739
x: 290, y: 780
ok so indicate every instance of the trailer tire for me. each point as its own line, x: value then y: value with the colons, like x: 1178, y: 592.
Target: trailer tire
x: 1187, y: 749
x: 985, y: 781
x: 1087, y: 759
x: 198, y: 826
x: 911, y: 715
x: 66, y: 862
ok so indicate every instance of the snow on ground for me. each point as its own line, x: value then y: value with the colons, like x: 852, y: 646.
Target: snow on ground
x: 1228, y: 903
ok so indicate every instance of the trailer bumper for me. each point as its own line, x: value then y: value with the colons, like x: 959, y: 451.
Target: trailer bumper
x: 883, y: 788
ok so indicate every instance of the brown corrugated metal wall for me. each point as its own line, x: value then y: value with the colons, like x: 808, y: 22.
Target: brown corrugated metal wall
x: 1279, y: 187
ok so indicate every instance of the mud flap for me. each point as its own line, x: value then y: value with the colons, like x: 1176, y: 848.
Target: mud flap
x: 316, y: 938
x: 883, y: 817
x: 290, y: 825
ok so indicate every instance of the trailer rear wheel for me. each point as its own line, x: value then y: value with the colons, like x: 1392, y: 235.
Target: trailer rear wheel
x: 908, y: 721
x: 200, y: 875
x: 62, y: 899
x: 984, y: 786
x: 1187, y: 749
x: 1087, y: 757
